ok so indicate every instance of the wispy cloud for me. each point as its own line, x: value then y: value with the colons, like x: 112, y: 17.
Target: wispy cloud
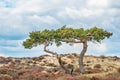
x: 3, y: 55
x: 19, y: 17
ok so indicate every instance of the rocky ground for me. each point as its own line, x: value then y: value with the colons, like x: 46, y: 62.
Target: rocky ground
x: 46, y: 67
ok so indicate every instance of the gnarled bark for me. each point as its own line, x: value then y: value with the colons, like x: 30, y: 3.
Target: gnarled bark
x: 81, y: 65
x: 46, y: 45
x: 69, y: 69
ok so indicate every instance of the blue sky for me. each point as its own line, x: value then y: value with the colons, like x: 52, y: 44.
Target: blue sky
x: 19, y: 17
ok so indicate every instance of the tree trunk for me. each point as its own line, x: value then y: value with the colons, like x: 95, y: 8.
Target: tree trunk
x: 81, y: 65
x: 68, y: 69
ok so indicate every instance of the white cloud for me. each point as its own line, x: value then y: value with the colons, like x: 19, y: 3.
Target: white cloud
x: 98, y: 4
x: 44, y: 19
x: 33, y: 13
x: 66, y: 48
x: 93, y: 48
x: 83, y: 13
x: 114, y: 4
x: 10, y: 42
x: 14, y: 48
x: 25, y: 16
x: 26, y: 7
x: 97, y: 47
x: 2, y: 4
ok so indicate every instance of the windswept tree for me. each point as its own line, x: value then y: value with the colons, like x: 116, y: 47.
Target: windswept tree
x: 67, y: 35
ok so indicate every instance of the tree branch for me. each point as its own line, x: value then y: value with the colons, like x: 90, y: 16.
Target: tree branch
x: 46, y: 44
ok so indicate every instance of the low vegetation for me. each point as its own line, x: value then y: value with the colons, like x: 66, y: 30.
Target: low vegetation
x: 47, y: 68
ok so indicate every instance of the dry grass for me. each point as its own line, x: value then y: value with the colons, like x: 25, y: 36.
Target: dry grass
x: 47, y: 68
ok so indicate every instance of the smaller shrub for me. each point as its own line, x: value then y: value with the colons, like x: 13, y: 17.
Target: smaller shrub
x: 88, y: 62
x: 41, y: 58
x: 70, y: 56
x: 27, y: 77
x: 112, y: 76
x: 102, y: 56
x: 58, y: 74
x: 17, y: 60
x: 75, y: 55
x: 95, y: 70
x: 51, y: 64
x: 55, y: 69
x: 118, y: 70
x: 78, y: 78
x: 21, y: 72
x: 3, y: 70
x: 5, y: 77
x: 95, y: 78
x: 77, y: 70
x: 88, y: 68
x: 2, y: 60
x: 61, y: 78
x: 97, y: 66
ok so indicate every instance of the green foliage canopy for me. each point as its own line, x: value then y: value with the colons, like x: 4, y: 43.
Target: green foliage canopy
x: 64, y: 34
